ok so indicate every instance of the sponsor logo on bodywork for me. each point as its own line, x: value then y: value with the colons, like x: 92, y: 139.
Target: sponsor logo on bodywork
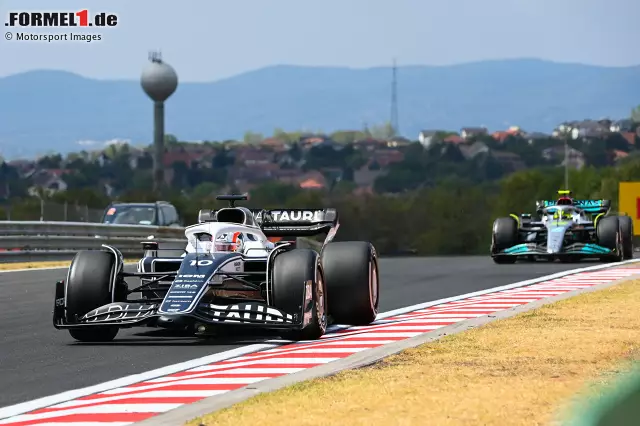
x: 119, y: 311
x: 247, y: 311
x: 296, y: 216
x: 185, y: 286
x: 194, y: 276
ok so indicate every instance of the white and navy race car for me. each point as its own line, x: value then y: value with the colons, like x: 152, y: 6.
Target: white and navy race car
x: 230, y: 274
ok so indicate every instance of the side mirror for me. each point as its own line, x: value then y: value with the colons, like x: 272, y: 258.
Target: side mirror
x: 205, y: 216
x: 150, y: 248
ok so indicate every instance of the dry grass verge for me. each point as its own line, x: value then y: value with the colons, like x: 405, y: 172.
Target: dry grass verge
x: 40, y: 265
x: 516, y: 371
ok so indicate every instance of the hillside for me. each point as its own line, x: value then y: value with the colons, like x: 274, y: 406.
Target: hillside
x: 41, y: 110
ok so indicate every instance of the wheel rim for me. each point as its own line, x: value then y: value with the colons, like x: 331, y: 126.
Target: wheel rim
x: 320, y: 305
x: 620, y: 247
x: 373, y: 286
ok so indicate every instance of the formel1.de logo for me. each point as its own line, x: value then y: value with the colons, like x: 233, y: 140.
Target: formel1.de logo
x: 81, y: 18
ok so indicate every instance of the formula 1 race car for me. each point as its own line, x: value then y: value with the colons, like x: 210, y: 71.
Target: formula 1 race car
x: 567, y: 230
x: 230, y: 274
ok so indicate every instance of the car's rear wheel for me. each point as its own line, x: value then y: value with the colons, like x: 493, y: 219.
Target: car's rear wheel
x: 353, y: 283
x: 293, y: 271
x: 88, y: 287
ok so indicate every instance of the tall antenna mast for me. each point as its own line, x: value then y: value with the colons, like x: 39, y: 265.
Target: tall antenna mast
x: 394, y: 101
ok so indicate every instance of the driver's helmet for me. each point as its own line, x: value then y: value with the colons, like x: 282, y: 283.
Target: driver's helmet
x: 229, y: 242
x: 562, y: 214
x: 564, y: 201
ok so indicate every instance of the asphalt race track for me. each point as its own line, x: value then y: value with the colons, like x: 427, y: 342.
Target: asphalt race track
x: 36, y: 360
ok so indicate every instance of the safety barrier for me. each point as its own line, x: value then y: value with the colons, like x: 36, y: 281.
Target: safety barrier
x: 52, y: 241
x: 33, y: 241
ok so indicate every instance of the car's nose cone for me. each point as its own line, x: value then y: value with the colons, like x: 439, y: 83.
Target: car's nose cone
x: 554, y: 240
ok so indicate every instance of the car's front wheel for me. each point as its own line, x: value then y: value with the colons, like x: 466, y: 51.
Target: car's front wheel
x: 504, y: 259
x: 609, y: 236
x: 504, y: 233
x: 88, y: 287
x: 295, y: 272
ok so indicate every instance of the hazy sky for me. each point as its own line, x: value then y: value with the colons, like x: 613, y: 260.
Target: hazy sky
x: 212, y: 39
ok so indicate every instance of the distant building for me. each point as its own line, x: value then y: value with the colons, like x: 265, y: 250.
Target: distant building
x: 625, y: 125
x: 471, y: 151
x: 426, y: 137
x: 585, y: 129
x: 48, y: 181
x: 576, y: 158
x: 470, y: 132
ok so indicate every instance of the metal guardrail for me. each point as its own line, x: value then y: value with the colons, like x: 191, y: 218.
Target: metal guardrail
x: 32, y: 241
x: 52, y: 241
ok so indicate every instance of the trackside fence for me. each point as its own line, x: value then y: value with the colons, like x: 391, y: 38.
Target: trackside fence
x: 47, y: 211
x: 40, y: 241
x: 50, y: 241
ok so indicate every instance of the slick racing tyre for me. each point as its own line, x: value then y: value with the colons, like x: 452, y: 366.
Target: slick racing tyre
x: 291, y: 271
x: 504, y: 260
x: 88, y: 287
x: 609, y: 236
x: 353, y: 284
x: 504, y: 235
x: 626, y: 229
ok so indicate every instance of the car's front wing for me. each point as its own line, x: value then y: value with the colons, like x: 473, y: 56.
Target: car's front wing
x: 124, y: 315
x: 576, y: 249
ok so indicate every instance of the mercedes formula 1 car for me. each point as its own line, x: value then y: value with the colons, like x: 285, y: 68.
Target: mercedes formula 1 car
x: 566, y: 229
x: 230, y: 274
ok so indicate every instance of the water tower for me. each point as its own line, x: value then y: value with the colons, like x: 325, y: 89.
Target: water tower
x: 159, y: 80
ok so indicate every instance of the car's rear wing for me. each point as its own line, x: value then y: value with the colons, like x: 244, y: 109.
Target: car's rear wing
x: 297, y: 222
x: 284, y: 222
x: 589, y: 206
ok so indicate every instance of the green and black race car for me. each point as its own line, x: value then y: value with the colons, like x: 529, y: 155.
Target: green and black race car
x: 567, y: 229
